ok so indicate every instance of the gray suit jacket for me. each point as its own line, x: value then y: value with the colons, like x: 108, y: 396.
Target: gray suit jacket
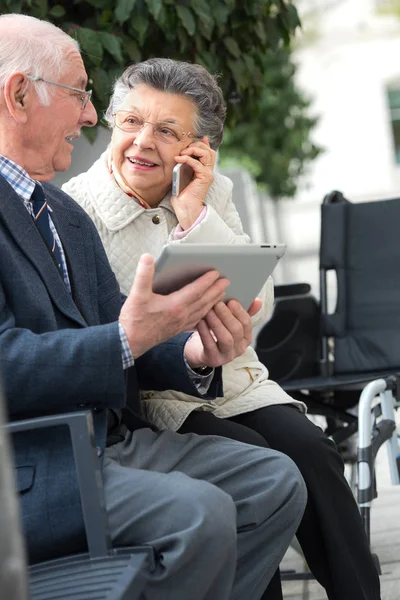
x: 60, y: 353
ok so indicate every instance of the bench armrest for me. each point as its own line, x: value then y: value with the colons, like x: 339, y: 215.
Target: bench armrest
x: 81, y: 429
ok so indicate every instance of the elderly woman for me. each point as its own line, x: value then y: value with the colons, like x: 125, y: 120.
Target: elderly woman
x: 161, y: 113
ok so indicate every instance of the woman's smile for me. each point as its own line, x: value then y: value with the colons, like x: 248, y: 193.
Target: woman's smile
x: 141, y: 164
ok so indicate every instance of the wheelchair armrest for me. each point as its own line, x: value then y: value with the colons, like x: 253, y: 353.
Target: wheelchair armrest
x: 292, y: 289
x: 81, y: 429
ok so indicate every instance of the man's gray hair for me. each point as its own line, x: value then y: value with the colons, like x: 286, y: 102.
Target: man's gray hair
x: 29, y: 45
x: 185, y: 79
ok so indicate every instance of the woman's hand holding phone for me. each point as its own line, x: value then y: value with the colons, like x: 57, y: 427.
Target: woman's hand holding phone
x: 190, y: 202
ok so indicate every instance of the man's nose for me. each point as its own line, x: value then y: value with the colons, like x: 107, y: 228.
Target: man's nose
x: 88, y: 115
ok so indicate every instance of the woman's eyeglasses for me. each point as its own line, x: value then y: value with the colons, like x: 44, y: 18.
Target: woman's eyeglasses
x: 168, y: 133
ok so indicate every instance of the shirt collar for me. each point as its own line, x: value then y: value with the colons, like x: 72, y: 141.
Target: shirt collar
x: 17, y: 177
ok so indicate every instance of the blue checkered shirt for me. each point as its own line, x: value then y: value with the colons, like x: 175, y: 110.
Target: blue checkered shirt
x: 24, y: 185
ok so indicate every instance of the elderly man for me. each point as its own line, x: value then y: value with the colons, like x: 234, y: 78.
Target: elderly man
x: 220, y: 514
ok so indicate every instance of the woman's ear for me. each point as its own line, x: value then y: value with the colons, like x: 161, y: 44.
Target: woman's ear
x: 17, y: 96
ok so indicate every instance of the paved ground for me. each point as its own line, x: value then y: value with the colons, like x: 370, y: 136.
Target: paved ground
x: 385, y: 539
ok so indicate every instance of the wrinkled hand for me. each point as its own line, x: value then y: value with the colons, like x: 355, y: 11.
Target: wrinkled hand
x: 189, y: 204
x: 223, y: 334
x: 149, y: 319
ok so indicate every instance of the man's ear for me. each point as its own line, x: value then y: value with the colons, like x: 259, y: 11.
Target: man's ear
x: 17, y: 96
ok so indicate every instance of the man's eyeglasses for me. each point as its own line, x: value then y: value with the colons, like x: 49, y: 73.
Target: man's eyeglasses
x: 168, y: 133
x: 85, y: 95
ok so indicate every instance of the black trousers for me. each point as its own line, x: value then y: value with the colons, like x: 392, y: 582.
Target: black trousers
x: 331, y: 533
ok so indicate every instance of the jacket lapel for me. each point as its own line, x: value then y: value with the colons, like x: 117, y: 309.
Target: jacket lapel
x: 22, y: 228
x: 78, y: 250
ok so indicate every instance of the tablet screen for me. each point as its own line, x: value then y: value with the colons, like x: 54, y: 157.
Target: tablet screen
x: 246, y: 266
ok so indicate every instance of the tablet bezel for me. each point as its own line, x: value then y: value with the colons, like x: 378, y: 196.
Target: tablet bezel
x: 180, y: 263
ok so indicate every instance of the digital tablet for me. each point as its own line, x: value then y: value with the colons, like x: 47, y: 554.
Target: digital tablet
x: 246, y: 266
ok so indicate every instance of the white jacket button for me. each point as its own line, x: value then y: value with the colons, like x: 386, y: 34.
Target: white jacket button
x: 156, y: 219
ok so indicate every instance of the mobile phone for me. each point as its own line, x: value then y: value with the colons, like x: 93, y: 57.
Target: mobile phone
x: 182, y: 175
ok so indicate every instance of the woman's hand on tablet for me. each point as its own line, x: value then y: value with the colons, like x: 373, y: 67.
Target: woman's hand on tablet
x: 223, y: 334
x: 255, y: 307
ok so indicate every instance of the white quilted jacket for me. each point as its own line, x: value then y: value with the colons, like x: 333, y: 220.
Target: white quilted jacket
x: 127, y: 230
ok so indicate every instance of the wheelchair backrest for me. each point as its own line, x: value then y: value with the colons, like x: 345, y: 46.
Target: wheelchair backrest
x: 361, y: 243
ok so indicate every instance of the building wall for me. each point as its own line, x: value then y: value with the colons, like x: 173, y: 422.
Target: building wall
x: 346, y: 56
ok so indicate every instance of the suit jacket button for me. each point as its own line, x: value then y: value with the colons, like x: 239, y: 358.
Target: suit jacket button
x: 156, y: 219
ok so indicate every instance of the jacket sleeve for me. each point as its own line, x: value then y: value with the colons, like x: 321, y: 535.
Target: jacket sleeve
x: 164, y: 368
x: 59, y: 370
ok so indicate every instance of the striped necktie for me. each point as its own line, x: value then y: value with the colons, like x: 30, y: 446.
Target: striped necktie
x: 41, y: 216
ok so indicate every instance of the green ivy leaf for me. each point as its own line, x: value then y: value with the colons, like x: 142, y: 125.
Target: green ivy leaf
x: 106, y: 16
x: 221, y: 12
x: 113, y: 45
x: 205, y: 19
x: 294, y: 18
x: 162, y: 19
x: 284, y: 32
x: 232, y: 46
x: 249, y: 62
x: 154, y: 7
x: 187, y: 19
x: 42, y: 9
x: 205, y: 59
x: 199, y: 43
x: 273, y: 33
x: 123, y: 10
x: 139, y: 26
x: 15, y: 6
x: 183, y: 40
x: 90, y: 43
x: 132, y: 50
x: 57, y: 11
x: 114, y: 74
x: 239, y: 73
x: 206, y: 28
x: 289, y: 18
x: 260, y: 32
x: 101, y: 83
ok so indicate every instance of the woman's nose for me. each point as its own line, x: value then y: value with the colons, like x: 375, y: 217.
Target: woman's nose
x: 145, y: 137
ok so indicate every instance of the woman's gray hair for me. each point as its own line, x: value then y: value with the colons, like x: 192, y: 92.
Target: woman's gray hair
x: 185, y: 79
x: 29, y: 45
